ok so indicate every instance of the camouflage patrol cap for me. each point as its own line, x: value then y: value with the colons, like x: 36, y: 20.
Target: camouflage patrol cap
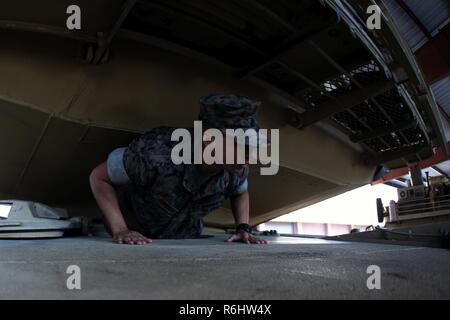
x: 230, y: 111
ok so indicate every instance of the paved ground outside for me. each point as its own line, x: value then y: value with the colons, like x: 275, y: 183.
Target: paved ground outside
x: 286, y: 268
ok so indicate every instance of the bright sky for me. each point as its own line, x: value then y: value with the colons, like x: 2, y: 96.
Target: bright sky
x: 356, y: 207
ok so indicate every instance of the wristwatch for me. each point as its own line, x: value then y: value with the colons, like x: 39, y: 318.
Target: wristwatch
x: 244, y: 227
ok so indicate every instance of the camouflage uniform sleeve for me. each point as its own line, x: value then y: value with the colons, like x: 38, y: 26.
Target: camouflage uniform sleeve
x: 243, y: 187
x: 139, y: 167
x: 148, y: 156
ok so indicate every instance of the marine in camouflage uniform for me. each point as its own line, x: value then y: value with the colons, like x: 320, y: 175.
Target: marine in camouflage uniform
x: 162, y: 200
x: 168, y: 200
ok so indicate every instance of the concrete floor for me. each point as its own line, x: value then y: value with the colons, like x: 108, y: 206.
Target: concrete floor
x: 287, y: 268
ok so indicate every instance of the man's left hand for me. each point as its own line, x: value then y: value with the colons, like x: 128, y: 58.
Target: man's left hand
x: 245, y: 237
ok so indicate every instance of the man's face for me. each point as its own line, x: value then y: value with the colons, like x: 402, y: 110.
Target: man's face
x: 241, y: 155
x: 237, y: 165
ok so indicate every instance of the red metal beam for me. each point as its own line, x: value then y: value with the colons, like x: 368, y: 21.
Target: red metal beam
x: 434, y: 57
x: 397, y: 173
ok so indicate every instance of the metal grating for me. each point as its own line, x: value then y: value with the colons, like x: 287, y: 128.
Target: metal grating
x: 393, y: 140
x: 376, y: 145
x: 314, y: 97
x: 368, y: 116
x: 394, y: 106
x: 415, y: 136
x: 342, y: 84
x: 338, y: 86
x: 367, y: 73
x: 368, y: 113
x: 349, y: 122
x: 365, y: 116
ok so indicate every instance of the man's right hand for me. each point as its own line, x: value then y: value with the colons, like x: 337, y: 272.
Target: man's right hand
x: 130, y: 237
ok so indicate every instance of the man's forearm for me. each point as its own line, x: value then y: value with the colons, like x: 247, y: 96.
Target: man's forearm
x: 107, y: 201
x: 106, y: 198
x: 240, y: 205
